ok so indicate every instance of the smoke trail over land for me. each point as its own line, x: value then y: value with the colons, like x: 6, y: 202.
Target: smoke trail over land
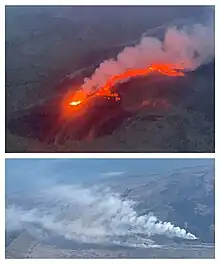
x: 90, y: 215
x: 187, y: 48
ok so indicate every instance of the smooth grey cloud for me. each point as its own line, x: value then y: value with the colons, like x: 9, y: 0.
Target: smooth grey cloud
x: 112, y: 173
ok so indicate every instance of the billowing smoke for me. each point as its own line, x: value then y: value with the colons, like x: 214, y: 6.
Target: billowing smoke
x: 187, y: 47
x: 90, y: 215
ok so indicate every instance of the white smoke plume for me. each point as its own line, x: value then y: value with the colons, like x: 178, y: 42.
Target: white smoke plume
x: 89, y: 215
x: 188, y: 47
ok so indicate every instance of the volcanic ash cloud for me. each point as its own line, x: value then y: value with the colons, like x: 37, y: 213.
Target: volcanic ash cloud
x: 186, y: 48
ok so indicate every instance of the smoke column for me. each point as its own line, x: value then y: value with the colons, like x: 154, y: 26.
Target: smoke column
x: 187, y: 47
x: 89, y: 215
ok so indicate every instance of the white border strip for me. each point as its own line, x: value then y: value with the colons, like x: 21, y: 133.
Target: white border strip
x: 110, y: 261
x: 110, y: 155
x: 109, y: 2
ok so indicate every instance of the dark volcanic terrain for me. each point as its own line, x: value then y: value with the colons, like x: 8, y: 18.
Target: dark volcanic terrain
x: 46, y: 48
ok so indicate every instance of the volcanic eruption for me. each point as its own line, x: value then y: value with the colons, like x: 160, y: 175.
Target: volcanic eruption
x: 96, y: 105
x: 185, y: 48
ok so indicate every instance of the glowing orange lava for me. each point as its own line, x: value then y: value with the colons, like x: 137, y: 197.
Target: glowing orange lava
x: 168, y: 70
x: 74, y: 103
x: 78, y: 97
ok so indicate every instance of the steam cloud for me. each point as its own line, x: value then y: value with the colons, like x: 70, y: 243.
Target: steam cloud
x: 188, y: 47
x: 89, y: 215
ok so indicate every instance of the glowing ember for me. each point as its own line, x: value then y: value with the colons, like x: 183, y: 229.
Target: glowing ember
x: 169, y: 70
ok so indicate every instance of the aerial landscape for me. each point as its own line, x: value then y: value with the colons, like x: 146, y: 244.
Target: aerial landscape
x: 110, y: 79
x: 110, y: 208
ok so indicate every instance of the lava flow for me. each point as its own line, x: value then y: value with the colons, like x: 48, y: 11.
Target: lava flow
x: 105, y: 91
